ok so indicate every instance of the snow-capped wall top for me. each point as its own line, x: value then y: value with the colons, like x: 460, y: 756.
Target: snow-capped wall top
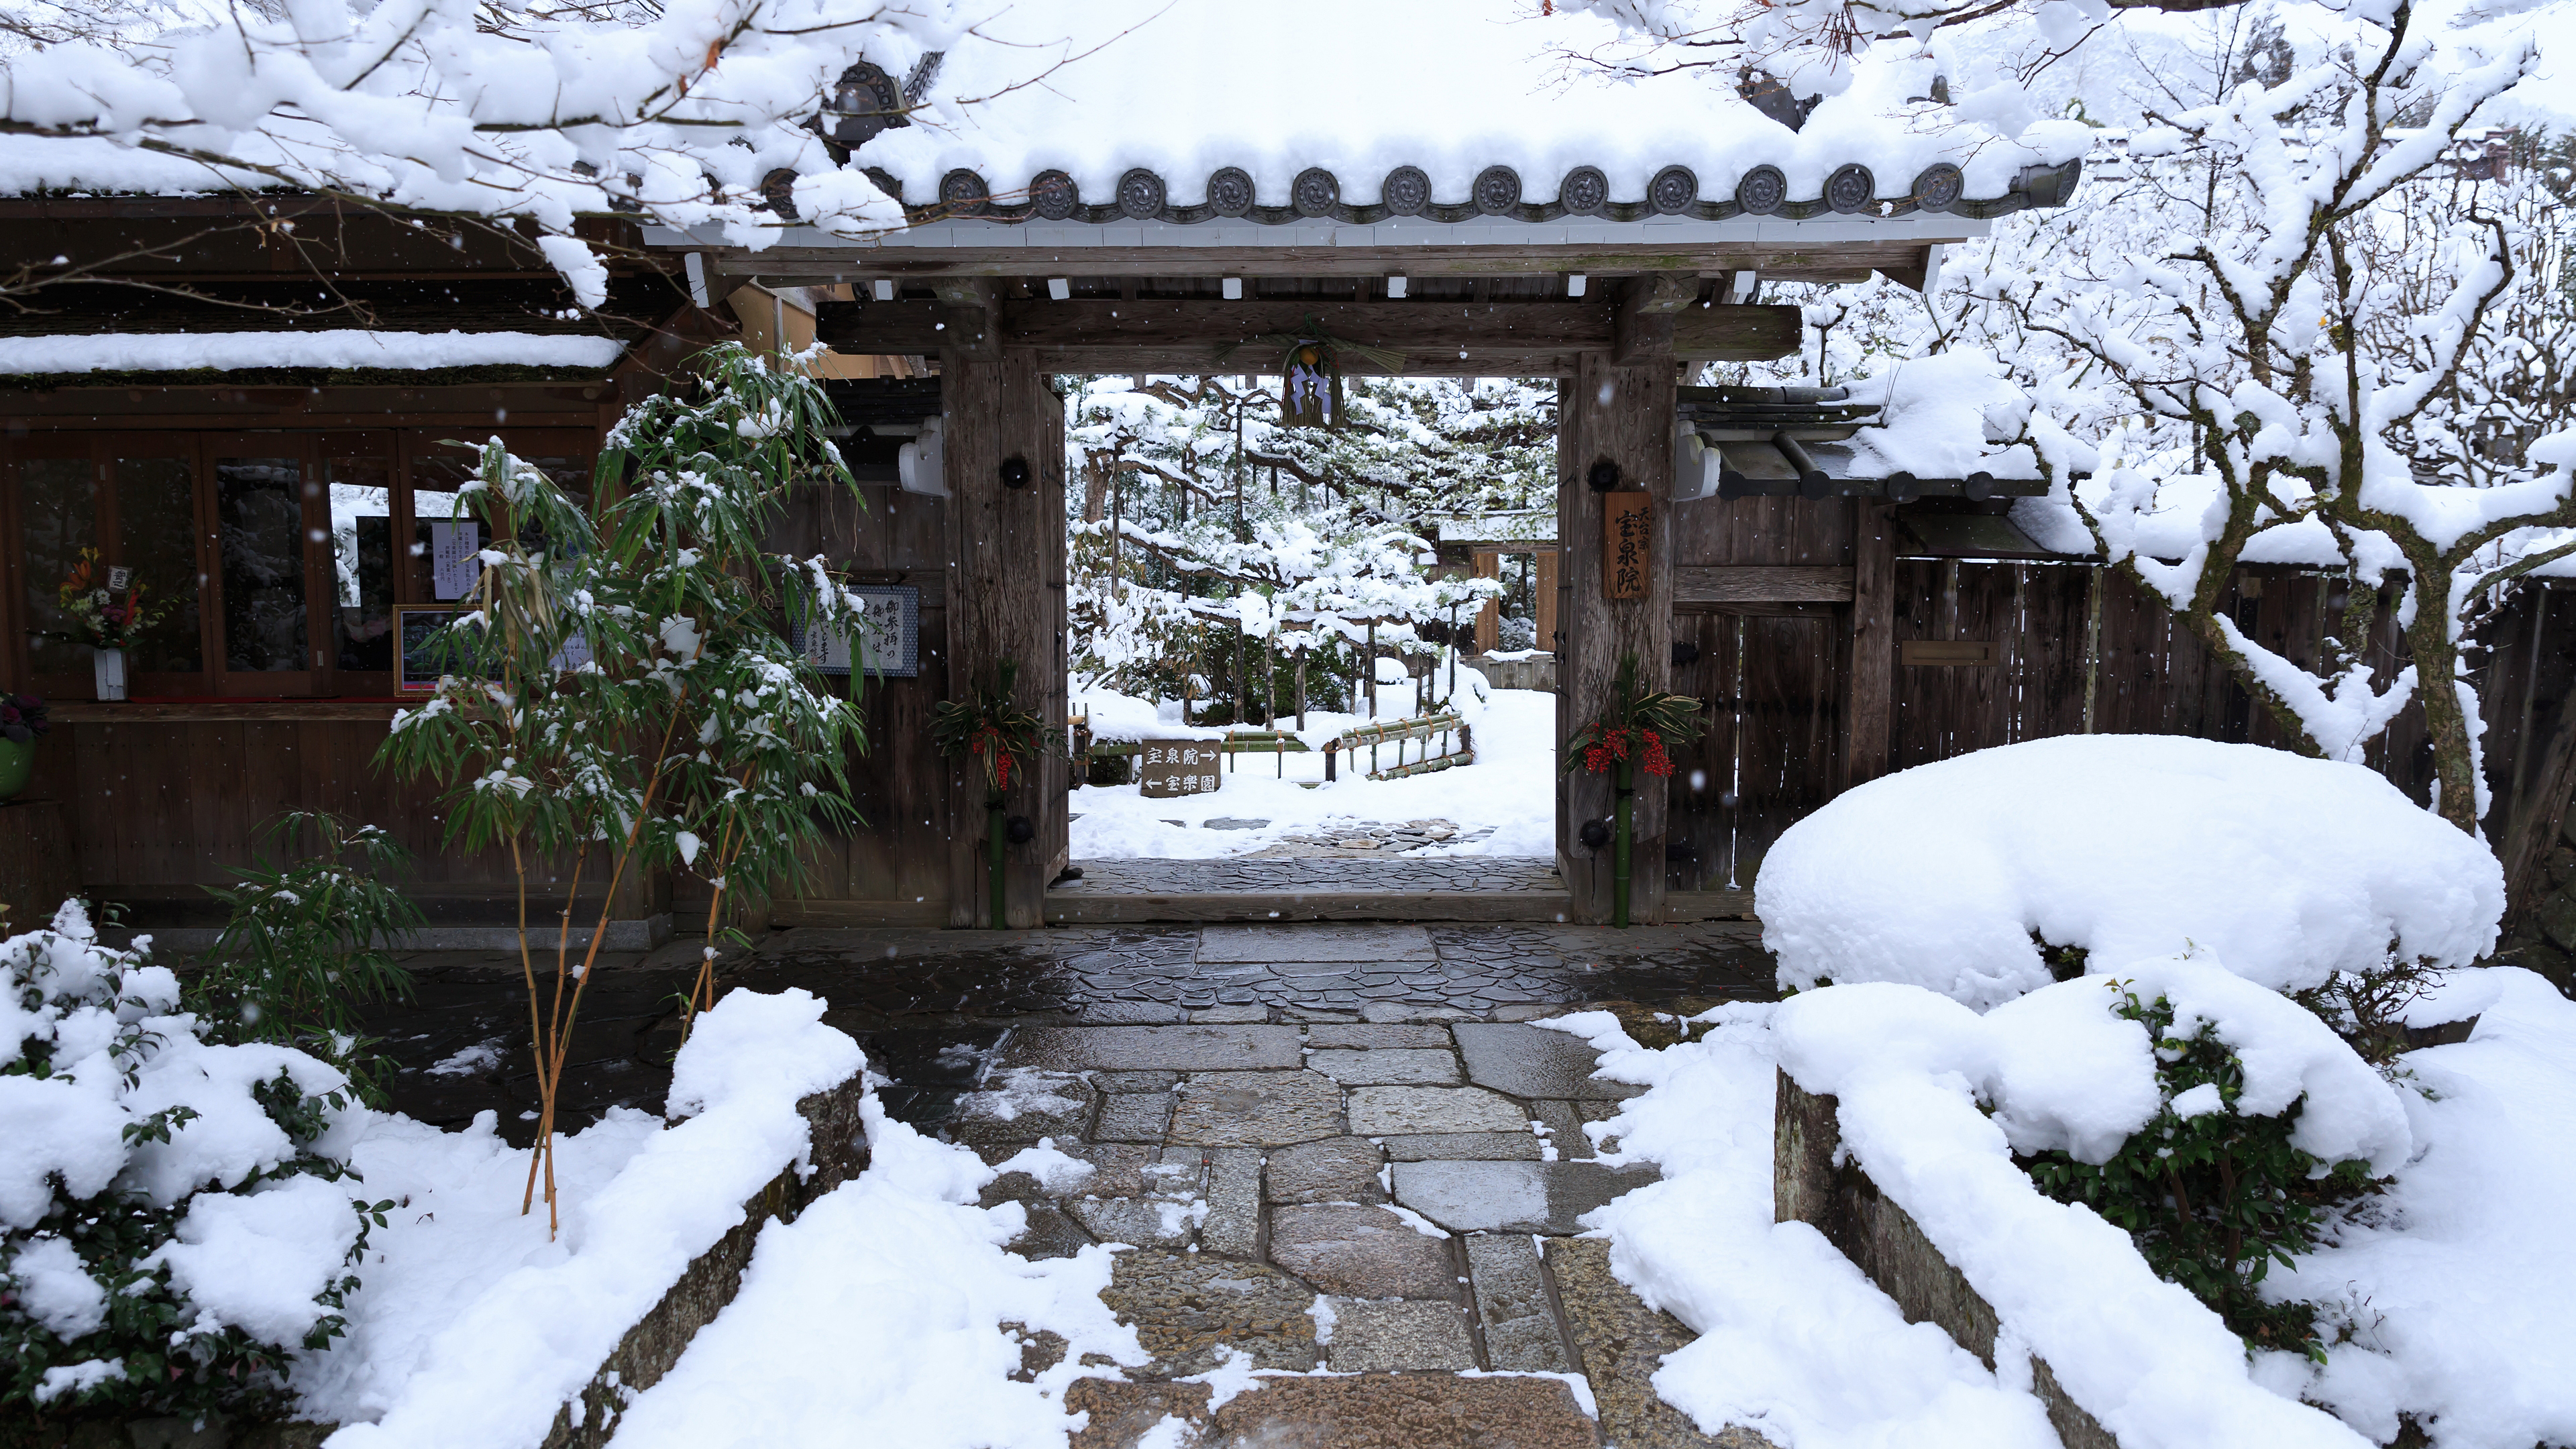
x: 1445, y: 110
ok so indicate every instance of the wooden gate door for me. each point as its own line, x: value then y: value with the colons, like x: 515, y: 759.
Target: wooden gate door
x: 1771, y: 690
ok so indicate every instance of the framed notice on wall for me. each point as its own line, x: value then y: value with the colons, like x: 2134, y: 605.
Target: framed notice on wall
x: 423, y: 661
x: 1627, y: 538
x: 889, y: 642
x: 420, y: 663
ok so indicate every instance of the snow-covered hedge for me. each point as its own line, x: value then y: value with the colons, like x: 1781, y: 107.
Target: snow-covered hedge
x: 172, y: 1223
x: 2128, y: 847
x: 2441, y: 1299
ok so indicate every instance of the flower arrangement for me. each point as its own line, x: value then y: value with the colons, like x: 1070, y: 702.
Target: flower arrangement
x: 1634, y: 731
x: 989, y: 728
x: 22, y: 718
x: 1637, y: 729
x: 100, y: 618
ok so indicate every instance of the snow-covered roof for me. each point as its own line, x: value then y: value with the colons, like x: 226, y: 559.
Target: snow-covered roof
x: 338, y: 349
x: 1446, y: 110
x: 1528, y: 525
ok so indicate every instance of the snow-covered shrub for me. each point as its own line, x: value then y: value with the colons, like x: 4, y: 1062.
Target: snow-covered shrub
x: 172, y: 1216
x: 1516, y: 633
x: 1959, y: 876
x: 2213, y: 1191
x: 1946, y: 1110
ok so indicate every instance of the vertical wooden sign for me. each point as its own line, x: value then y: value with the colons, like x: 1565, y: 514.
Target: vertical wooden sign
x: 1627, y: 529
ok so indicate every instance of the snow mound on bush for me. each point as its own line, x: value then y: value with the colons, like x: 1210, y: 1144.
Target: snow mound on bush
x: 2131, y: 847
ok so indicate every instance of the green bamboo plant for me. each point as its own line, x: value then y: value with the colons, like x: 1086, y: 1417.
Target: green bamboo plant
x: 619, y: 692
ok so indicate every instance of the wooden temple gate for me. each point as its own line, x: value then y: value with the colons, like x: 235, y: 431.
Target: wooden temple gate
x: 1617, y: 319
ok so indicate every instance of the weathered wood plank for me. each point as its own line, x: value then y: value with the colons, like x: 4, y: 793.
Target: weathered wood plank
x: 82, y: 711
x: 1699, y: 821
x: 1869, y: 699
x: 1098, y: 335
x: 1067, y: 909
x: 1642, y: 327
x: 1788, y: 732
x: 971, y: 399
x: 1761, y: 584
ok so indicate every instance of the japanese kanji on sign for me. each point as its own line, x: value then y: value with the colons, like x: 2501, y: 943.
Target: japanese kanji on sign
x: 1627, y: 530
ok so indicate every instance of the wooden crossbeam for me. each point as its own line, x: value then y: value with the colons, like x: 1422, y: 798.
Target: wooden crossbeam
x: 1762, y: 584
x: 1108, y: 335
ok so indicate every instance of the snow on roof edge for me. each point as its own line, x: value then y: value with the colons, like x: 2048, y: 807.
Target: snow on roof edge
x: 336, y: 349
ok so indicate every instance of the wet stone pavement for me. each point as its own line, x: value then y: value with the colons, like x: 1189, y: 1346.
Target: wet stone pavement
x: 1328, y: 1147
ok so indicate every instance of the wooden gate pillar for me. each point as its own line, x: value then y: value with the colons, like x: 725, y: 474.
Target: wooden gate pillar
x: 1622, y: 415
x: 1005, y: 602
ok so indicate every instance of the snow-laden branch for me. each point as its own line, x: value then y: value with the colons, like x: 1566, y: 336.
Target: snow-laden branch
x: 676, y: 112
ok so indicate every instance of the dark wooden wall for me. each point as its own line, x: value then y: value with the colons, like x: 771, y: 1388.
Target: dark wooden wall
x: 1777, y: 678
x: 160, y: 809
x: 892, y: 869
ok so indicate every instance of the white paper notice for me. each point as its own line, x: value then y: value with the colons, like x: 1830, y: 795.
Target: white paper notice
x: 452, y: 557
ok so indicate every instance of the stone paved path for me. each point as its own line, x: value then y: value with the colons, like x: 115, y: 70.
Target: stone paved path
x: 929, y: 1002
x: 1392, y: 1198
x: 1278, y: 1117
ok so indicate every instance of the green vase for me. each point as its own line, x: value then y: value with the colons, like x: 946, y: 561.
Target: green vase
x: 17, y: 762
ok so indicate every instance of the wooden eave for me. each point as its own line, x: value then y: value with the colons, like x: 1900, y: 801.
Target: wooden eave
x: 1822, y: 261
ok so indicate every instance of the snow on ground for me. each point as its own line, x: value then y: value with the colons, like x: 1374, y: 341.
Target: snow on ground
x: 2458, y: 1285
x: 471, y: 1326
x: 1511, y: 787
x: 876, y: 1318
x: 2455, y: 1283
x: 2132, y: 847
x: 1794, y: 1341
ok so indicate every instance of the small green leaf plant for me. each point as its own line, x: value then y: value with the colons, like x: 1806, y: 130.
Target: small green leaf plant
x: 2215, y: 1198
x: 619, y: 692
x: 306, y: 944
x: 114, y: 1088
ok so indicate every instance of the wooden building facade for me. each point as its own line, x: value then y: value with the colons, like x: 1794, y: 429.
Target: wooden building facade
x: 1837, y: 626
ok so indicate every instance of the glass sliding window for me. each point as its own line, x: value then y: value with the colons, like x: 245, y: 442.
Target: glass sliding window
x: 156, y: 536
x: 259, y: 509
x: 362, y: 567
x: 58, y: 511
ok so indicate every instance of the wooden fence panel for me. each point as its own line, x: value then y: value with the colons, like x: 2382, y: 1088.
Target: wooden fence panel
x: 1789, y: 729
x: 1701, y: 818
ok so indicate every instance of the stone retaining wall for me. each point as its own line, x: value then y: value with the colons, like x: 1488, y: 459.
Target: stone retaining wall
x: 1885, y: 1243
x: 653, y: 1346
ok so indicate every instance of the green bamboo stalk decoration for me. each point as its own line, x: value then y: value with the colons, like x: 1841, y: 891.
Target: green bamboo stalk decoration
x: 993, y: 832
x: 1006, y: 738
x: 1636, y: 729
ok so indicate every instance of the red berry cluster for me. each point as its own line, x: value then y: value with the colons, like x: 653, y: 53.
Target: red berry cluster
x: 1657, y: 762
